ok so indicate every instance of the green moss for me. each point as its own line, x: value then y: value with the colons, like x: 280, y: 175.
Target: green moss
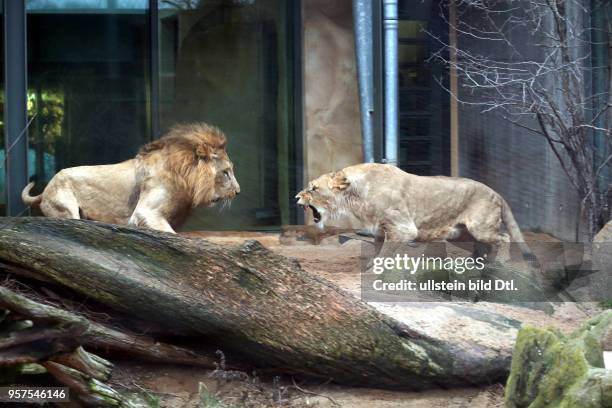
x: 550, y: 370
x: 528, y: 366
x: 32, y: 369
x: 606, y: 304
x: 565, y: 366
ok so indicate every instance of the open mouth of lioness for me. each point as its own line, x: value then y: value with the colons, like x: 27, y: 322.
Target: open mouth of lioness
x: 316, y: 215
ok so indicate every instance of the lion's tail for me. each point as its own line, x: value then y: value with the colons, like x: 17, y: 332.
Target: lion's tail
x: 30, y: 201
x: 516, y: 235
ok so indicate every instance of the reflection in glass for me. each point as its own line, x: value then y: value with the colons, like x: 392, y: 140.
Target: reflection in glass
x: 88, y: 78
x: 423, y: 102
x: 226, y: 63
x: 64, y: 6
x: 412, y: 29
x: 2, y: 146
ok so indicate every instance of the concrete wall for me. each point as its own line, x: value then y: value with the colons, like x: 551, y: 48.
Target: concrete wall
x: 515, y: 162
x: 522, y: 168
x: 331, y: 100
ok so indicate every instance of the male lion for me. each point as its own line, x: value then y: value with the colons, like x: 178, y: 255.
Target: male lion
x: 398, y: 206
x: 186, y: 168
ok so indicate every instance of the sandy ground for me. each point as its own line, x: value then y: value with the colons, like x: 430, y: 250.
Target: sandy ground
x: 181, y: 386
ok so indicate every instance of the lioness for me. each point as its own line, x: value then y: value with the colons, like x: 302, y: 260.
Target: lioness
x: 186, y: 168
x: 398, y: 206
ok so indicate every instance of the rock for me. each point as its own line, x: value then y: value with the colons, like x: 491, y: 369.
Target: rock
x: 602, y: 245
x: 550, y: 370
x: 604, y: 235
x: 602, y: 263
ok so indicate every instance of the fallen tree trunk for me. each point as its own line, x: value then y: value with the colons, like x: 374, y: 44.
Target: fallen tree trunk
x: 250, y: 303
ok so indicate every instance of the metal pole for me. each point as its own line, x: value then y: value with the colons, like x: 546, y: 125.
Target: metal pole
x: 154, y: 68
x: 454, y: 90
x: 296, y: 56
x: 391, y: 81
x: 601, y: 64
x: 15, y: 114
x: 362, y: 16
x: 378, y: 121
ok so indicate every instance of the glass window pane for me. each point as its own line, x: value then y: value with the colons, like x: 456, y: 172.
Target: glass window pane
x: 227, y: 63
x: 412, y: 29
x: 2, y: 146
x: 64, y: 6
x: 411, y: 54
x: 87, y: 83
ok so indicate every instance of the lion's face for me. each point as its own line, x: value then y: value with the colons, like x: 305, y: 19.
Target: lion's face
x: 226, y: 186
x: 322, y: 196
x: 213, y: 180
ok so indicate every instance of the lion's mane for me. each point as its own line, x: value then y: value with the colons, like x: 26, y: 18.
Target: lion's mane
x: 187, y: 153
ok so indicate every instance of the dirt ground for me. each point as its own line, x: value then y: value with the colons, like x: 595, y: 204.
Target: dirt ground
x: 189, y: 387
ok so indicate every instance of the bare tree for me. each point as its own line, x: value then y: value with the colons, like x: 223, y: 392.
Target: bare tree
x: 540, y: 80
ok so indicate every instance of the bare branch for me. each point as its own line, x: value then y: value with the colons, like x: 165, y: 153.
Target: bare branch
x: 530, y: 60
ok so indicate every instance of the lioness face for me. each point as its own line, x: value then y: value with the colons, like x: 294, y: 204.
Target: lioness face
x: 318, y: 198
x: 226, y: 185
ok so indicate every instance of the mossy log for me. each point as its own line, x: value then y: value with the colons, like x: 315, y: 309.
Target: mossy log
x: 254, y: 305
x: 87, y: 363
x: 89, y: 389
